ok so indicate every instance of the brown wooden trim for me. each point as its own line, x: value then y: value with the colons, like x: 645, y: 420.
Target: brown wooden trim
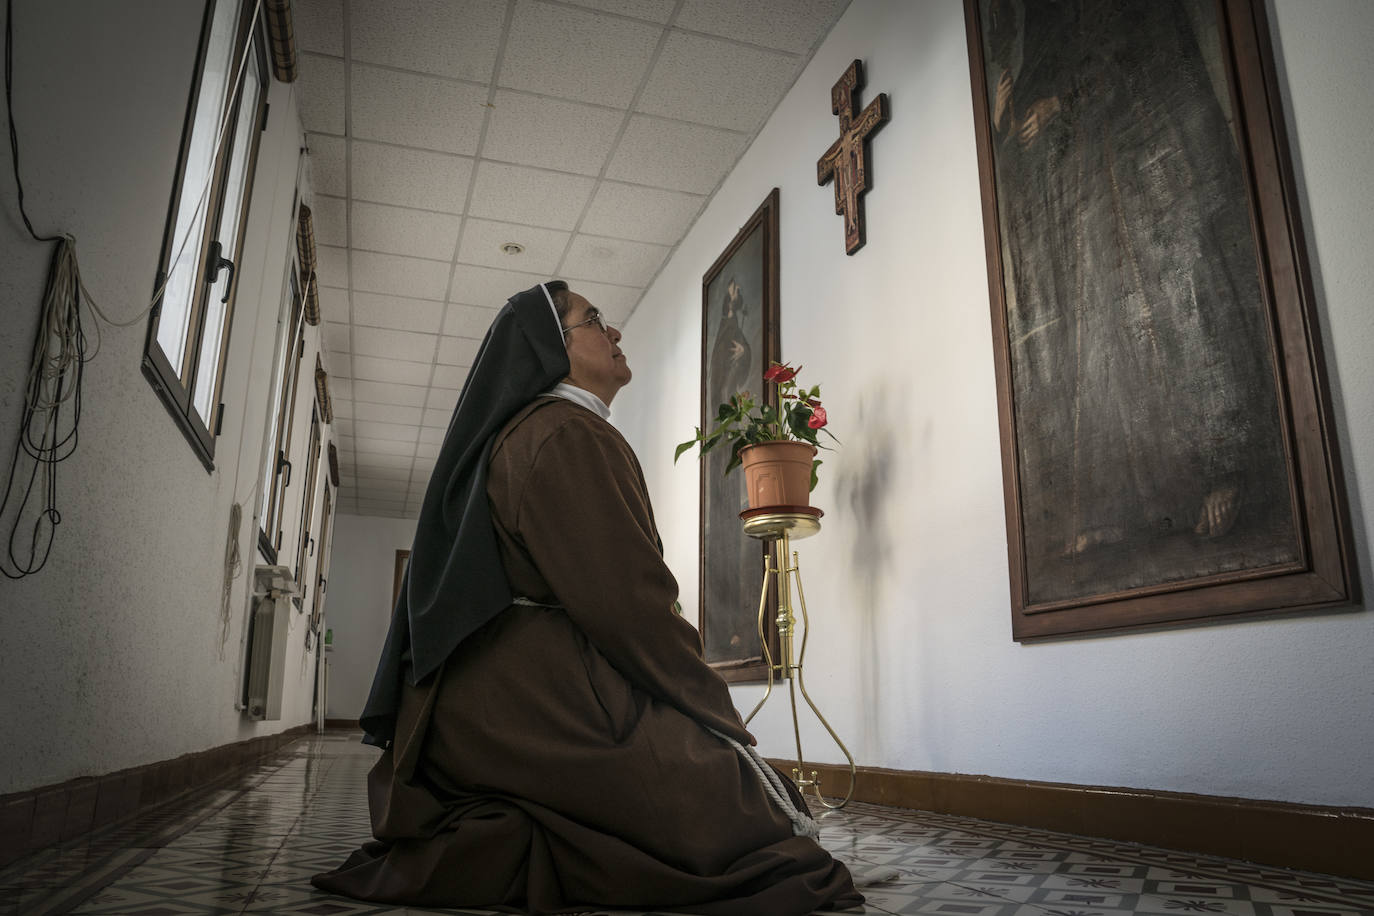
x: 53, y: 814
x: 1333, y: 841
x: 346, y: 724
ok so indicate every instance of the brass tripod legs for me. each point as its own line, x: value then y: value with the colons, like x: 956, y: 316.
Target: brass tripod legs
x: 775, y: 567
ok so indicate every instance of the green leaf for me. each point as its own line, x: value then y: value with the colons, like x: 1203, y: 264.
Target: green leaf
x: 815, y: 466
x: 682, y: 448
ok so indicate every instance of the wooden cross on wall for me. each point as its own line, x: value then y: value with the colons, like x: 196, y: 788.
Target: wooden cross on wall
x: 845, y: 161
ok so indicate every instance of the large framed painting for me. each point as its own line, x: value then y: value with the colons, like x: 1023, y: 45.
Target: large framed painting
x: 1167, y: 444
x: 739, y: 338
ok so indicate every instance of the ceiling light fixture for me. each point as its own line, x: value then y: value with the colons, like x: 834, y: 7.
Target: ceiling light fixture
x: 513, y: 248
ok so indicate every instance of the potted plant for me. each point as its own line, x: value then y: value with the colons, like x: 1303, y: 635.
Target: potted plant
x: 775, y: 446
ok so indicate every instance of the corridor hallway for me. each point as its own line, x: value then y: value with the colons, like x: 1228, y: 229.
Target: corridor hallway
x: 251, y: 843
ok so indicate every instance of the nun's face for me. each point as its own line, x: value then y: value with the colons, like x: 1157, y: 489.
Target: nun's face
x: 596, y: 362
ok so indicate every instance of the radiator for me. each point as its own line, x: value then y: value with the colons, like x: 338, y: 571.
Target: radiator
x: 270, y: 623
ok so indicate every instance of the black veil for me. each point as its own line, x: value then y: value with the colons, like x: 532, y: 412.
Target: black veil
x: 455, y: 582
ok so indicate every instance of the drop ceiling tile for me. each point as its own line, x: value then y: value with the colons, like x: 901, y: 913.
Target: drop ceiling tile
x: 343, y: 427
x: 392, y: 344
x: 442, y: 399
x: 382, y: 485
x: 410, y: 177
x: 457, y: 351
x: 377, y: 460
x: 398, y: 312
x: 413, y: 110
x: 342, y: 409
x: 788, y: 25
x: 329, y: 217
x: 576, y: 54
x: 425, y: 450
x: 399, y: 276
x: 615, y: 302
x: 342, y: 387
x: 374, y: 429
x: 433, y: 36
x: 321, y: 94
x: 337, y: 365
x: 450, y: 377
x: 389, y: 393
x: 401, y: 230
x: 331, y: 266
x: 318, y: 25
x: 613, y: 260
x: 396, y: 371
x: 716, y: 82
x: 468, y: 321
x: 675, y: 155
x: 551, y: 134
x: 488, y: 287
x: 438, y: 417
x: 389, y: 472
x: 336, y: 337
x: 482, y: 241
x: 653, y: 10
x: 430, y: 435
x: 334, y: 303
x: 627, y: 211
x: 366, y: 445
x: 328, y: 164
x: 517, y: 194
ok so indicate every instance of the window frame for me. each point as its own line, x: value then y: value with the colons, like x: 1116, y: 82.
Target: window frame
x: 176, y: 386
x: 312, y: 473
x: 322, y: 555
x: 270, y: 521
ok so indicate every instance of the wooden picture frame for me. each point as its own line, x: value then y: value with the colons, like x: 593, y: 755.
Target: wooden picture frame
x: 1167, y: 444
x: 739, y: 338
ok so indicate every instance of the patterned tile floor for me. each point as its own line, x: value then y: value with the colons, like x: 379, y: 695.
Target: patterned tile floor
x: 249, y: 845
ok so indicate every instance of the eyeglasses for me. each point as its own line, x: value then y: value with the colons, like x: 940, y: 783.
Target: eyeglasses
x: 596, y: 318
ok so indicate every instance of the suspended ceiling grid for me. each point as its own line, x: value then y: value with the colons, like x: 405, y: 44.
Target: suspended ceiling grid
x: 590, y: 133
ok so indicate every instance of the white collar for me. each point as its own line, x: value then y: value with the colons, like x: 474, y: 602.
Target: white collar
x: 582, y: 397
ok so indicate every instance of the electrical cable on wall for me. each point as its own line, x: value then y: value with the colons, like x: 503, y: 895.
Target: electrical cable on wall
x: 48, y: 430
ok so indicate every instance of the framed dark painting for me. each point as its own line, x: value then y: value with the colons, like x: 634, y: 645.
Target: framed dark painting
x: 1166, y: 433
x: 739, y: 338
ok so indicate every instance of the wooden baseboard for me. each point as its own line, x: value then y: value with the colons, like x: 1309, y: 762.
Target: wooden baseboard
x: 58, y: 813
x: 1333, y: 841
x: 349, y: 724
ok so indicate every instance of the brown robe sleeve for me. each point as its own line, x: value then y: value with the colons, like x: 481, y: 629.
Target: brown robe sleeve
x: 585, y: 520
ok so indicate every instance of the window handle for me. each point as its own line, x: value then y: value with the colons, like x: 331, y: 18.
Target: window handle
x: 213, y: 263
x: 284, y: 465
x: 312, y: 547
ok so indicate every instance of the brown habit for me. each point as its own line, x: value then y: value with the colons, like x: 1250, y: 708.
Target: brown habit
x: 558, y: 762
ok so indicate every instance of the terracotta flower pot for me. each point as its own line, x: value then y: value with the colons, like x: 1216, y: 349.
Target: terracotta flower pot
x: 777, y: 473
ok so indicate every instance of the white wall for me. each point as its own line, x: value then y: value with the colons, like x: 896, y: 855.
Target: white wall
x: 112, y: 655
x: 913, y: 659
x: 359, y: 607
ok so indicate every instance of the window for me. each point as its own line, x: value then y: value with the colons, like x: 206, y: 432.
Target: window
x: 286, y: 375
x: 322, y: 556
x: 312, y: 471
x: 188, y: 332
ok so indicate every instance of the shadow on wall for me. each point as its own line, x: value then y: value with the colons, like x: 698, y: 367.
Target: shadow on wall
x: 864, y: 487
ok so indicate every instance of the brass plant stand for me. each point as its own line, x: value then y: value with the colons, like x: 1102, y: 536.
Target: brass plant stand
x: 779, y: 525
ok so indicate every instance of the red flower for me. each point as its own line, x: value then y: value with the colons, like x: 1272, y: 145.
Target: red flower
x: 779, y: 373
x: 817, y: 418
